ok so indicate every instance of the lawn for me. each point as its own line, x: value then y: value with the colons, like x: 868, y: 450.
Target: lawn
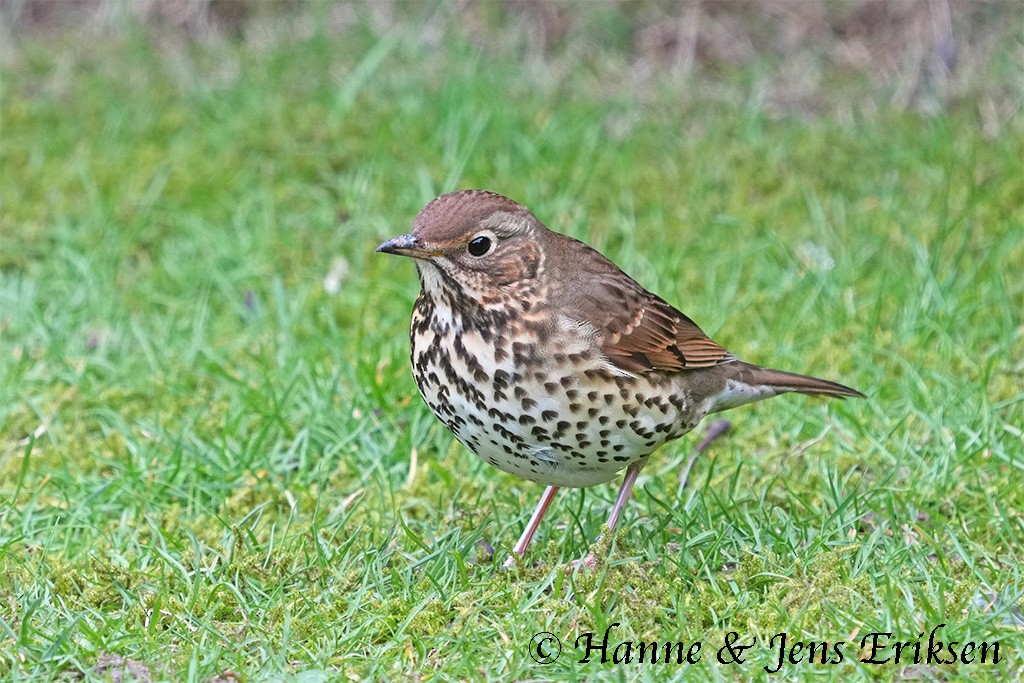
x: 214, y: 464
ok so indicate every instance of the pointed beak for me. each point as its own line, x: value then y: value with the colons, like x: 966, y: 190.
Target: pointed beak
x: 406, y: 245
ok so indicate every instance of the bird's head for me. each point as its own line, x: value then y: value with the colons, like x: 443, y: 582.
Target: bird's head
x: 475, y: 244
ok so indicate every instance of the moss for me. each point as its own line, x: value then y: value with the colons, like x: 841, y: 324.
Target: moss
x: 635, y: 592
x: 434, y: 617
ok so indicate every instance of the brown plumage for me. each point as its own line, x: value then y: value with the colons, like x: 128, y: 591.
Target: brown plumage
x: 548, y: 361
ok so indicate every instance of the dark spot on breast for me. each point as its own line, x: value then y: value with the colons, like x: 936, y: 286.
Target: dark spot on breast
x: 499, y: 415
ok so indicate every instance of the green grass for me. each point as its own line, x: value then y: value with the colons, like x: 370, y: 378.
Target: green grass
x: 205, y: 457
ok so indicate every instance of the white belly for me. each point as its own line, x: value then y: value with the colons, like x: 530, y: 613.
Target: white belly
x: 536, y: 415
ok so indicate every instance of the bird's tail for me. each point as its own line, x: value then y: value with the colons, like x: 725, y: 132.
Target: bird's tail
x: 746, y: 383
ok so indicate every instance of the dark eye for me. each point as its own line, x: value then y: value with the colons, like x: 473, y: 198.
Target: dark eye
x: 479, y: 246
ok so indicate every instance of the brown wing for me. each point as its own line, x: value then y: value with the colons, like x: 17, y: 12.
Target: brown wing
x: 640, y: 331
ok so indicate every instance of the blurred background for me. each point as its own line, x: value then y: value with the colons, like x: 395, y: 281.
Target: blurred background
x: 810, y: 57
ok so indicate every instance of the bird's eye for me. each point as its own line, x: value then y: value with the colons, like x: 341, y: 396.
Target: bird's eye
x: 479, y: 246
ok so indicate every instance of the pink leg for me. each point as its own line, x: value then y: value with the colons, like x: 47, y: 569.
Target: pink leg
x: 613, y: 518
x: 624, y: 493
x: 531, y: 526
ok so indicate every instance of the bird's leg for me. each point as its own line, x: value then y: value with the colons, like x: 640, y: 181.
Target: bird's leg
x: 627, y: 489
x: 531, y: 527
x: 613, y: 517
x: 715, y: 430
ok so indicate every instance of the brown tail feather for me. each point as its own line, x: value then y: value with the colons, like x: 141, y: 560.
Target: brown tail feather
x: 754, y: 375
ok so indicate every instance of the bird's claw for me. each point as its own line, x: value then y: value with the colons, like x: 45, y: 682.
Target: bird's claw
x: 588, y: 562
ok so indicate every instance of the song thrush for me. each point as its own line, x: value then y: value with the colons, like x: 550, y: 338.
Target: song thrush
x: 547, y: 361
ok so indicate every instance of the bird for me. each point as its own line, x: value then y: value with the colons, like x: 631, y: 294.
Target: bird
x: 547, y: 361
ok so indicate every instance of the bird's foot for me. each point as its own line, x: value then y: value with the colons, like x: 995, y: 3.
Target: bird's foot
x: 587, y: 563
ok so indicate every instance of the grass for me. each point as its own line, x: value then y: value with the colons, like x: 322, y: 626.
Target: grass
x: 206, y: 458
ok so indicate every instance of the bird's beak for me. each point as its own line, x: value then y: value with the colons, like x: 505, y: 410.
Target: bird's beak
x: 406, y: 245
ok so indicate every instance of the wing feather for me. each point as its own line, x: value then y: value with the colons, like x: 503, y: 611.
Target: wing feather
x: 638, y: 331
